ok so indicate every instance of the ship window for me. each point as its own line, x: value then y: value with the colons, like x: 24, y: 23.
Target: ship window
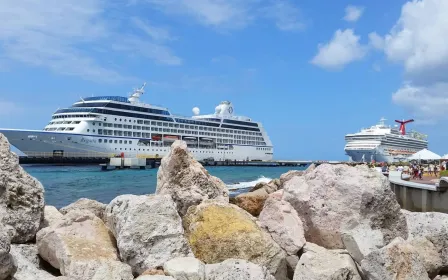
x: 93, y: 123
x: 130, y: 142
x: 115, y: 141
x: 88, y: 130
x: 100, y: 141
x: 93, y: 130
x: 121, y: 142
x: 110, y: 141
x: 125, y: 141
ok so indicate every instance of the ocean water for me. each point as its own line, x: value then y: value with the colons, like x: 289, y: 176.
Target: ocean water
x: 66, y: 184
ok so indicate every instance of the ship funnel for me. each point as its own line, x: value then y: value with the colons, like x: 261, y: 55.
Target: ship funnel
x: 196, y: 111
x: 403, y: 125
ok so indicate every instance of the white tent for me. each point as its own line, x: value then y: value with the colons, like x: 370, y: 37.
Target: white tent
x: 445, y: 156
x: 424, y: 154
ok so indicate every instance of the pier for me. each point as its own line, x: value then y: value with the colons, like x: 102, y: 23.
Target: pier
x: 420, y: 197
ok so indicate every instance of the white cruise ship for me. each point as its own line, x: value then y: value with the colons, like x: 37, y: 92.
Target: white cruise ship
x: 383, y: 143
x: 112, y: 125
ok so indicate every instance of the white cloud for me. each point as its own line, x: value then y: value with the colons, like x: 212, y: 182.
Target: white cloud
x: 376, y: 41
x: 63, y: 36
x: 343, y: 49
x: 417, y: 41
x: 426, y: 102
x: 285, y: 14
x: 418, y: 38
x: 156, y: 33
x: 234, y: 13
x: 353, y: 13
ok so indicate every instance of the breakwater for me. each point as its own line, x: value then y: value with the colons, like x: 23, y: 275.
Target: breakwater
x: 326, y: 222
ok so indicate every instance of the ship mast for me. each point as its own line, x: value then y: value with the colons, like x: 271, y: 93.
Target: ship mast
x: 135, y: 96
x: 403, y: 125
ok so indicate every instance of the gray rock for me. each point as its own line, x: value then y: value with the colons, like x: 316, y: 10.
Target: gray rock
x: 434, y: 227
x: 397, y: 260
x: 280, y: 219
x: 91, y: 205
x: 186, y: 268
x: 236, y: 269
x: 27, y: 262
x: 285, y: 177
x: 21, y: 197
x: 428, y: 252
x: 318, y: 263
x: 51, y: 216
x: 360, y: 240
x: 186, y: 180
x: 441, y: 277
x: 7, y: 264
x: 82, y: 248
x: 27, y: 251
x: 154, y: 277
x: 330, y: 197
x: 148, y: 230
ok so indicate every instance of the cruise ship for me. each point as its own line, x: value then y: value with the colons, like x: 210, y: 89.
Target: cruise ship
x: 383, y: 143
x: 124, y: 126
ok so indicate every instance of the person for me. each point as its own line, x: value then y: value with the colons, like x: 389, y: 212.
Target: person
x: 436, y: 170
x: 420, y: 172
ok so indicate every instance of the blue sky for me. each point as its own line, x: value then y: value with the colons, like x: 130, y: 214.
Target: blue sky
x: 310, y: 71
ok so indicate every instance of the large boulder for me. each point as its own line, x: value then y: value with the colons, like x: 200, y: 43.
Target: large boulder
x: 7, y: 265
x: 148, y: 230
x: 428, y: 252
x: 434, y: 227
x: 27, y: 262
x: 329, y: 198
x: 236, y: 269
x: 51, y: 216
x: 293, y: 173
x: 252, y: 202
x: 186, y: 268
x: 21, y: 197
x: 91, y: 205
x: 82, y: 247
x: 269, y: 187
x: 218, y: 231
x: 360, y: 240
x: 318, y: 263
x: 398, y: 260
x: 154, y: 277
x: 186, y: 180
x: 281, y: 220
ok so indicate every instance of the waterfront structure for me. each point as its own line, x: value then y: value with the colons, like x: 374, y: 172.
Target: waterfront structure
x: 115, y: 125
x: 383, y: 143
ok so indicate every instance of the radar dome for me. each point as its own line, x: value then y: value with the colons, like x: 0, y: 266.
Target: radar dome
x: 196, y: 111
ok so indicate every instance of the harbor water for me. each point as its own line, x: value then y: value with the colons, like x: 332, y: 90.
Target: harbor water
x: 66, y: 184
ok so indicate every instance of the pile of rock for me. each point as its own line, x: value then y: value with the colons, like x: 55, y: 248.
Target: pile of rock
x: 329, y: 222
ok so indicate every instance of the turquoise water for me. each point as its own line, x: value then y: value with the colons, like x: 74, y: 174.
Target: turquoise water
x: 66, y: 184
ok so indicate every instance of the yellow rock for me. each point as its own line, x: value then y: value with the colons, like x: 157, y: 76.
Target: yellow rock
x: 218, y: 231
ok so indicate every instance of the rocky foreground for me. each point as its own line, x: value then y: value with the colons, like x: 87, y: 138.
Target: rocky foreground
x: 331, y: 222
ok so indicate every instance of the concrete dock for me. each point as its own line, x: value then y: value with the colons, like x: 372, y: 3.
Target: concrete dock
x: 420, y: 197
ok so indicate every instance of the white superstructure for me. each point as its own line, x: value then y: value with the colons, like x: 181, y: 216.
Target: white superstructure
x: 111, y: 125
x: 382, y: 143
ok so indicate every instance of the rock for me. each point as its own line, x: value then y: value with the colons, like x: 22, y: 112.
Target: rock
x: 329, y: 198
x: 154, y: 277
x: 397, y: 260
x: 218, y: 231
x: 154, y: 271
x: 428, y: 252
x: 187, y: 268
x: 28, y: 251
x: 289, y: 175
x: 441, y: 277
x: 51, y: 216
x: 283, y: 223
x: 27, y: 266
x: 186, y: 180
x: 7, y: 265
x: 269, y: 187
x: 433, y: 226
x: 360, y: 240
x: 236, y: 269
x: 91, y: 205
x: 152, y: 236
x: 252, y: 202
x: 258, y: 186
x: 318, y: 263
x: 81, y: 247
x: 21, y: 199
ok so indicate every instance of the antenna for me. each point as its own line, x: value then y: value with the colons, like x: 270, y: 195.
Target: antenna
x: 403, y: 125
x: 83, y: 101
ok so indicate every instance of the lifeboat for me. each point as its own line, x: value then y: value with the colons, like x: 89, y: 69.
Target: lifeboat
x: 170, y: 137
x: 156, y: 137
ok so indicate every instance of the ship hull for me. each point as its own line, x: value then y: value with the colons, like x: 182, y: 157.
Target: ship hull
x: 43, y: 143
x: 378, y: 154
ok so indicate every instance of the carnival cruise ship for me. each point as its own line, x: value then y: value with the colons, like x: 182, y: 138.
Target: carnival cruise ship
x: 383, y: 143
x: 115, y: 125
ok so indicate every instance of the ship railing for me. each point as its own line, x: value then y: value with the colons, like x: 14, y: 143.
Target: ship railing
x: 69, y: 154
